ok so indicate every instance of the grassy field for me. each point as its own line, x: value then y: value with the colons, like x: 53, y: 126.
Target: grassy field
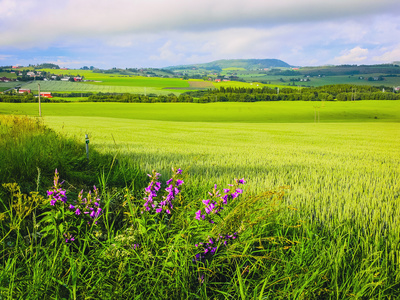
x: 66, y: 86
x: 261, y: 112
x: 7, y: 85
x: 343, y: 173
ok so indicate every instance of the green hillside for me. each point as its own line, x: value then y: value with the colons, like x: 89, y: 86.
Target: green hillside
x: 248, y: 64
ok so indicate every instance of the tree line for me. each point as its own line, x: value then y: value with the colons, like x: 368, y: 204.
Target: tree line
x: 234, y: 94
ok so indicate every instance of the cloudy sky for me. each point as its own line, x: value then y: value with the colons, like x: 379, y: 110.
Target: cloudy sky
x: 160, y: 33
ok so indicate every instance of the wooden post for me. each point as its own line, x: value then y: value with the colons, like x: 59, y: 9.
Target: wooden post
x: 87, y: 146
x: 40, y: 108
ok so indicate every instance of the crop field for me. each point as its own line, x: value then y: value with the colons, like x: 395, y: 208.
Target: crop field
x: 320, y: 81
x: 374, y: 111
x: 66, y: 86
x: 343, y: 173
x: 338, y: 172
x: 6, y: 85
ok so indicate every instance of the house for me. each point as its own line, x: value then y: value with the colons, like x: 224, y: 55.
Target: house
x: 217, y: 80
x: 397, y: 89
x: 15, y: 67
x: 5, y: 79
x: 31, y: 74
x: 76, y: 79
x: 65, y: 79
x: 46, y: 94
x: 21, y: 91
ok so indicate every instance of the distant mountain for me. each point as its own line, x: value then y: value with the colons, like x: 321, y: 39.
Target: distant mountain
x: 248, y: 64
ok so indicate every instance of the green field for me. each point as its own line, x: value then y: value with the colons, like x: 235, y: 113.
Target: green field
x: 260, y: 112
x: 330, y: 166
x: 343, y: 173
x: 7, y: 85
x: 66, y: 86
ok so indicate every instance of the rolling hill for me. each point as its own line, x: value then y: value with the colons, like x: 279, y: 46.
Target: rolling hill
x: 248, y: 64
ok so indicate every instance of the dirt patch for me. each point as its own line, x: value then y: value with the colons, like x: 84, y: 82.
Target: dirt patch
x: 200, y: 84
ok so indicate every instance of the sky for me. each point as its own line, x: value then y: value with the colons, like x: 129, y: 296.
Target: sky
x: 161, y: 33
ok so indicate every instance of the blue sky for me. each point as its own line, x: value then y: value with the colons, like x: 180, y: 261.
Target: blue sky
x: 160, y: 33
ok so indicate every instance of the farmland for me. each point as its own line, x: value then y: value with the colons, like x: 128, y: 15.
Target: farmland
x: 261, y: 112
x: 62, y: 86
x: 341, y: 211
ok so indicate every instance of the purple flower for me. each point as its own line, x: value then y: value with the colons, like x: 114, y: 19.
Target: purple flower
x: 179, y: 171
x: 206, y: 202
x: 179, y: 182
x: 71, y: 206
x: 158, y: 210
x: 77, y: 211
x: 53, y: 202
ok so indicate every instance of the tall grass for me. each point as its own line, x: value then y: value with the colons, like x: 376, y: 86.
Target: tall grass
x: 30, y: 152
x: 333, y: 235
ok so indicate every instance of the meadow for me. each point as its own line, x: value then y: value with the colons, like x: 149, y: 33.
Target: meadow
x: 66, y: 86
x: 234, y: 112
x: 336, y: 232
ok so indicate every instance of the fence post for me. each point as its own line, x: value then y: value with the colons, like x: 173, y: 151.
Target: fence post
x: 87, y: 146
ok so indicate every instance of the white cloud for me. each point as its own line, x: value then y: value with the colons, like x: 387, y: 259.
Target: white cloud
x: 354, y: 55
x: 56, y: 19
x: 5, y: 56
x: 388, y: 55
x: 166, y: 32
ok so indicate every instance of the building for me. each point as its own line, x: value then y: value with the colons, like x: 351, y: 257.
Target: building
x: 46, y: 95
x: 5, y: 79
x: 77, y: 79
x: 21, y: 91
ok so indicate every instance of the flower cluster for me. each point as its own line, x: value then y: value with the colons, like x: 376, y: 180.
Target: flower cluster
x: 211, y: 246
x: 154, y: 186
x: 87, y: 208
x: 57, y: 193
x: 68, y: 237
x: 213, y: 206
x: 217, y: 201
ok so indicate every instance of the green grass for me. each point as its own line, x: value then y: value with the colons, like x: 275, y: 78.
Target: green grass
x: 66, y: 86
x: 344, y: 180
x: 320, y: 81
x: 260, y: 112
x: 334, y: 236
x: 7, y: 85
